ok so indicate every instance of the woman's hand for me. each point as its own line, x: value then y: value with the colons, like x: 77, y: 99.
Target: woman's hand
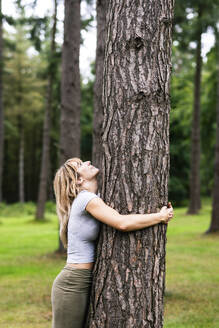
x: 166, y: 213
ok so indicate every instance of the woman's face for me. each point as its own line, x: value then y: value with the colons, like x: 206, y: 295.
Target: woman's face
x: 86, y: 170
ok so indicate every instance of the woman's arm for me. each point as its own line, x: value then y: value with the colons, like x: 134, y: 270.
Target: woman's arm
x: 104, y: 213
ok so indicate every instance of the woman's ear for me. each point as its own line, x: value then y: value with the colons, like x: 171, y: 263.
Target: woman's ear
x: 79, y: 180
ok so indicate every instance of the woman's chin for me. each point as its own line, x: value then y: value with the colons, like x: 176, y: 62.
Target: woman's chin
x: 95, y: 170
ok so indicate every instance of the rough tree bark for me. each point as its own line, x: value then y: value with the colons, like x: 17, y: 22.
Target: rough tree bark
x: 98, y: 84
x: 70, y: 86
x: 42, y: 193
x: 129, y: 274
x: 195, y: 197
x: 1, y: 107
x: 214, y: 226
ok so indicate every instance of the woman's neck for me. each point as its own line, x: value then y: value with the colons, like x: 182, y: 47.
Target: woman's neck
x: 91, y: 186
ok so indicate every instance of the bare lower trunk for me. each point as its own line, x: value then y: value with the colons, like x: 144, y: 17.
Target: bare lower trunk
x: 214, y: 226
x: 98, y: 85
x: 195, y: 197
x: 61, y: 249
x: 21, y: 165
x: 42, y: 194
x: 70, y: 87
x: 1, y: 107
x: 129, y: 274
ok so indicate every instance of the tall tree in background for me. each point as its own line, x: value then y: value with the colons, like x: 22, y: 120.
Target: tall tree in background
x: 42, y: 193
x: 204, y: 16
x: 70, y: 86
x: 98, y: 85
x: 70, y: 83
x: 129, y: 275
x: 1, y: 106
x: 26, y: 72
x: 21, y: 155
x: 192, y: 19
x: 20, y: 74
x: 180, y: 124
x: 214, y: 226
x: 20, y: 92
x: 195, y: 195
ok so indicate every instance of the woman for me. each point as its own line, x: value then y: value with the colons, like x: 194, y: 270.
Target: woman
x: 80, y: 212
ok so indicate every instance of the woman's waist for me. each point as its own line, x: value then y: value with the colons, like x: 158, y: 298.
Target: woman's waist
x: 80, y: 257
x: 88, y: 265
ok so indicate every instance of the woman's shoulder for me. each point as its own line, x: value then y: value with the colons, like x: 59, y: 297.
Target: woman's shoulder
x: 86, y: 194
x: 83, y: 198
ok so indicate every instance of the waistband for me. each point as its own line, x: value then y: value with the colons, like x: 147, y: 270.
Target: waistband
x: 76, y: 270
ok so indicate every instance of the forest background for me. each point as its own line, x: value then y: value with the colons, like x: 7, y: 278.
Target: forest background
x: 25, y: 70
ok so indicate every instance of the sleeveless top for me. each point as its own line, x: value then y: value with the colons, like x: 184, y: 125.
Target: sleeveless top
x: 83, y: 230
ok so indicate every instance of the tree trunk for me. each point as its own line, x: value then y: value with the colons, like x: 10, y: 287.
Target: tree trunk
x: 214, y: 226
x: 21, y: 161
x: 70, y: 133
x: 70, y: 84
x: 129, y: 274
x: 98, y: 85
x: 1, y: 107
x: 42, y: 194
x: 195, y: 198
x: 61, y: 249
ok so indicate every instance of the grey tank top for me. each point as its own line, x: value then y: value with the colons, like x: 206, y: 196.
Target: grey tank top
x: 83, y: 230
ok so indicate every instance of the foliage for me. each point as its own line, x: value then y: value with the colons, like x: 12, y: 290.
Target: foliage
x: 20, y: 80
x: 208, y: 121
x: 180, y: 126
x: 191, y: 18
x: 180, y: 123
x: 25, y: 81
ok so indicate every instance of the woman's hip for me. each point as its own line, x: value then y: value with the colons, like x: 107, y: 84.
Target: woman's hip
x: 73, y: 280
x: 70, y: 297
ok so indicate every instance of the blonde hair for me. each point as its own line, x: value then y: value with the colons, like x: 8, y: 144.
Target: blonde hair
x: 66, y: 190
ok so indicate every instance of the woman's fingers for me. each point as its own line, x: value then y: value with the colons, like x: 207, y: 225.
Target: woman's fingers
x: 167, y: 212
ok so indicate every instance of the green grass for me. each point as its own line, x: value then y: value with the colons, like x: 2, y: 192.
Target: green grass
x: 28, y: 266
x: 192, y: 272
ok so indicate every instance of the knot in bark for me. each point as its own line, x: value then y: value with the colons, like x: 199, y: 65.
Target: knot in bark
x: 167, y: 21
x: 141, y: 95
x: 136, y: 43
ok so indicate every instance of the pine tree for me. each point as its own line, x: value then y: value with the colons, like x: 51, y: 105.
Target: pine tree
x: 214, y: 226
x: 42, y: 193
x: 98, y: 85
x: 70, y: 85
x: 129, y: 274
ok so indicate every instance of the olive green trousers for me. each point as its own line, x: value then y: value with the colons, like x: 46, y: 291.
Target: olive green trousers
x: 70, y: 297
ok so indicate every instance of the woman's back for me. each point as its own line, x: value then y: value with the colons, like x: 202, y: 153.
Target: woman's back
x: 83, y: 230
